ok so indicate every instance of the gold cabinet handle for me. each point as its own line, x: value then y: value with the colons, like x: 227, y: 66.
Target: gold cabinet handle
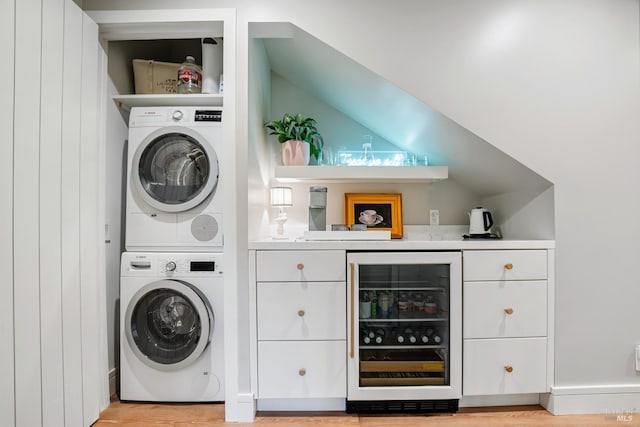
x: 508, y: 311
x: 508, y: 266
x: 301, y: 313
x: 353, y: 278
x: 300, y: 266
x: 508, y: 368
x: 302, y: 372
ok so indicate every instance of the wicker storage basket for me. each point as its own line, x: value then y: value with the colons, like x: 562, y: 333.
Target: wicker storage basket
x: 155, y: 77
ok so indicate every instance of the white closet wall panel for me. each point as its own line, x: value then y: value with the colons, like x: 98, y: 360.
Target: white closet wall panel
x: 70, y: 198
x: 49, y: 218
x: 50, y: 213
x: 26, y: 210
x: 91, y: 218
x: 7, y: 402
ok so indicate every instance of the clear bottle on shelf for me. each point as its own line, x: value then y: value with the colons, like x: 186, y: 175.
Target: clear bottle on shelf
x: 189, y: 76
x: 367, y: 154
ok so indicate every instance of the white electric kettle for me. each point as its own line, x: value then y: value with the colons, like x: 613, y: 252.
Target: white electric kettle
x: 480, y: 221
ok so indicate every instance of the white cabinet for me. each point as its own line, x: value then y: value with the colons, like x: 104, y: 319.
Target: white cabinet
x: 300, y: 266
x: 301, y: 369
x: 505, y: 265
x: 505, y: 309
x: 507, y: 316
x: 504, y: 366
x: 301, y: 324
x: 301, y: 311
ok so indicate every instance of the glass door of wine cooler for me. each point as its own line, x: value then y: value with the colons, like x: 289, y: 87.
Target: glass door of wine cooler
x: 405, y: 333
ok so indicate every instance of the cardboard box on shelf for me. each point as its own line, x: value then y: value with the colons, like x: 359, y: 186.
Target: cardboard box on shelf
x: 155, y: 77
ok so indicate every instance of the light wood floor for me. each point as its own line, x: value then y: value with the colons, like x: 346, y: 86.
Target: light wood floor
x: 199, y: 415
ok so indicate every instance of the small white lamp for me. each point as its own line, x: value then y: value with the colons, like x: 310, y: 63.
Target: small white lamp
x: 281, y: 197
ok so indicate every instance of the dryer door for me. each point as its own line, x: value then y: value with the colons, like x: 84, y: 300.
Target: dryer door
x: 168, y: 324
x: 174, y: 169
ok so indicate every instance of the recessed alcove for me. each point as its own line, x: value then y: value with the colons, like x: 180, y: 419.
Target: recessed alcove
x: 291, y: 71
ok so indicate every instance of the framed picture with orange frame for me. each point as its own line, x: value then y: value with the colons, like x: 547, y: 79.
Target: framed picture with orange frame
x: 378, y: 211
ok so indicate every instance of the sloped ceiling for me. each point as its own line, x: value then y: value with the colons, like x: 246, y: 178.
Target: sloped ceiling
x: 390, y: 112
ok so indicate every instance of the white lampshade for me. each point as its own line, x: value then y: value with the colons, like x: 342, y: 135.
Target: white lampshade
x: 281, y: 196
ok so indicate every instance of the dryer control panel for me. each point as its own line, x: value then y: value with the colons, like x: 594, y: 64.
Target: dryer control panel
x: 170, y: 264
x: 208, y: 116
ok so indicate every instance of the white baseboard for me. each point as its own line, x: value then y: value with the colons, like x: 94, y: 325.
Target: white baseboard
x: 244, y: 409
x: 113, y: 374
x: 338, y: 404
x: 499, y: 400
x: 612, y: 400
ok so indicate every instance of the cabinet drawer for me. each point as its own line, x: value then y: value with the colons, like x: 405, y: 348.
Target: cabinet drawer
x: 505, y: 265
x: 505, y: 309
x: 485, y: 365
x: 302, y: 369
x: 301, y: 310
x: 300, y: 266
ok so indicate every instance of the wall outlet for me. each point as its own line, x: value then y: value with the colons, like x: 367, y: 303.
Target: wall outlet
x: 434, y: 217
x: 638, y: 358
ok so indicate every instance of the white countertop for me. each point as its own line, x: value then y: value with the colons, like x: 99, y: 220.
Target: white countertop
x: 415, y: 238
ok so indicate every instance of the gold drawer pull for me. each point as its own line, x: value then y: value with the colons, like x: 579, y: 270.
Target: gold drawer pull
x: 508, y: 368
x: 508, y: 266
x: 301, y: 313
x: 302, y: 372
x: 508, y: 311
x: 300, y: 266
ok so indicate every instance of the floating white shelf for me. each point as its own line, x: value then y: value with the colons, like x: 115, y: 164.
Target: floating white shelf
x: 191, y: 100
x: 361, y: 173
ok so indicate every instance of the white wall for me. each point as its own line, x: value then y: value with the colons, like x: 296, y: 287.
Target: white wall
x: 259, y: 108
x: 526, y: 214
x: 338, y: 130
x: 7, y: 361
x: 554, y: 84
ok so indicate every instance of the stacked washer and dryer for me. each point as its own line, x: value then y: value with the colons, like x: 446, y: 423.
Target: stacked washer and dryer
x: 172, y: 286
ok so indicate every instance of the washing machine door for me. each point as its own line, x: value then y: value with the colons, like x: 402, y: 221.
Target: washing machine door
x: 174, y: 169
x: 168, y: 324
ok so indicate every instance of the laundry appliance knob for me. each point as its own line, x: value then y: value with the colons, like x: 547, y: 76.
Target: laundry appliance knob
x: 177, y: 115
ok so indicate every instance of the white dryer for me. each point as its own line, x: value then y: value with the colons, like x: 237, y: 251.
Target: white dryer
x: 174, y: 179
x: 171, y: 327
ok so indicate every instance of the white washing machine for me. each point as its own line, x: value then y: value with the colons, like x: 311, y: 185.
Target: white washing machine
x: 171, y: 327
x: 174, y: 179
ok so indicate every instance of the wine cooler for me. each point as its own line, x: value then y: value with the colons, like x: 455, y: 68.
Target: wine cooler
x: 404, y: 331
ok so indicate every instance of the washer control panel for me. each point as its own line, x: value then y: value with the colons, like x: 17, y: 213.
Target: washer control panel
x: 172, y: 264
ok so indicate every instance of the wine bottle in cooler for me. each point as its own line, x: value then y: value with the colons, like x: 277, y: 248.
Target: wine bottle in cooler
x: 364, y: 336
x: 410, y: 336
x: 374, y: 305
x: 434, y: 336
x: 424, y: 338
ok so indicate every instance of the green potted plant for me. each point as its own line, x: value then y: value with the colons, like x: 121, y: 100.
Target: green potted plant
x: 299, y: 136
